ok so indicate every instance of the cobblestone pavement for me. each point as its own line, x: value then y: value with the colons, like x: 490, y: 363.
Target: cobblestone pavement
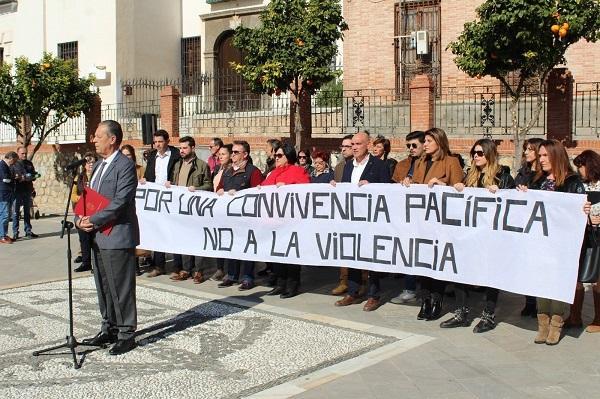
x: 203, y: 341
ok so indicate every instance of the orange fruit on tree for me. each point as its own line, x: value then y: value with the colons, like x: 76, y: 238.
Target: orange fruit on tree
x: 566, y: 26
x: 555, y: 29
x: 562, y: 33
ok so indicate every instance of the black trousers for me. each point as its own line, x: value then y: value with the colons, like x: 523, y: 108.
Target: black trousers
x: 159, y: 259
x: 114, y: 274
x: 490, y: 297
x: 85, y: 242
x: 432, y: 288
x: 288, y: 276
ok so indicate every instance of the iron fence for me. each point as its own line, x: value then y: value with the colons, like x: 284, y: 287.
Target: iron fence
x: 485, y: 111
x: 586, y: 107
x: 8, y: 134
x: 72, y: 131
x: 129, y: 115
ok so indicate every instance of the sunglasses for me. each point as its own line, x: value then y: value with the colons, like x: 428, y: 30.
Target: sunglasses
x: 236, y: 152
x: 478, y: 153
x: 412, y: 145
x: 300, y: 156
x: 345, y: 146
x: 279, y: 155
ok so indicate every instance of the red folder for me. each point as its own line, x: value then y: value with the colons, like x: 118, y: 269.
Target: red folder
x: 91, y: 202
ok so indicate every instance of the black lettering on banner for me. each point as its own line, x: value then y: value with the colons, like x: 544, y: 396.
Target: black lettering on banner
x: 418, y: 243
x: 336, y: 204
x: 353, y: 215
x: 497, y: 214
x: 253, y: 211
x: 166, y: 197
x: 292, y: 243
x: 282, y: 208
x: 188, y: 205
x: 324, y: 253
x: 468, y: 211
x: 477, y: 209
x: 378, y: 247
x: 201, y: 208
x: 410, y: 205
x: 448, y: 256
x: 505, y: 225
x: 229, y: 211
x: 541, y: 208
x: 250, y: 240
x: 381, y: 207
x: 358, y: 247
x: 217, y: 236
x: 140, y: 193
x: 445, y: 219
x: 303, y: 208
x: 152, y: 204
x: 318, y: 204
x: 408, y: 262
x: 432, y: 206
x: 343, y: 236
x: 268, y: 205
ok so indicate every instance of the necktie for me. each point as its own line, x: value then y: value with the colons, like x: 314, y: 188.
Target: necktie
x: 99, y: 176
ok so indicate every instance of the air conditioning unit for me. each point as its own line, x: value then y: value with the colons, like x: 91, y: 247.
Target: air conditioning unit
x: 422, y: 42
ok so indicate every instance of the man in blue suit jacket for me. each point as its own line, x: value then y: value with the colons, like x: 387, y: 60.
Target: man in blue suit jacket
x: 363, y: 169
x: 115, y: 178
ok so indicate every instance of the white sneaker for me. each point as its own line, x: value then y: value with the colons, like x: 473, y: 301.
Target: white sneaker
x: 404, y: 297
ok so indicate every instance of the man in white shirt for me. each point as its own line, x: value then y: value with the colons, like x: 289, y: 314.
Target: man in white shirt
x: 159, y: 169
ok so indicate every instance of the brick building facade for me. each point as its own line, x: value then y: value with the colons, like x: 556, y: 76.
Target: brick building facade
x: 373, y: 56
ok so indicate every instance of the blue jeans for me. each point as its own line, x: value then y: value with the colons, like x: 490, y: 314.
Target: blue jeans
x: 4, y: 209
x: 22, y: 200
x: 234, y: 266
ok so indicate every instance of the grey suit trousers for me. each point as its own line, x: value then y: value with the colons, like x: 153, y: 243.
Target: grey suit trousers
x: 114, y: 274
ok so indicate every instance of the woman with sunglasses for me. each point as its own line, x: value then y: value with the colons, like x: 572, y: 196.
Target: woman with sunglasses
x: 321, y: 171
x: 304, y: 161
x: 286, y: 172
x: 588, y: 166
x: 85, y: 241
x: 555, y: 175
x: 485, y: 172
x: 437, y: 166
x: 530, y: 166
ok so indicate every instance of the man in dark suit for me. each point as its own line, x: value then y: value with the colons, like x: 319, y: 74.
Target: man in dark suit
x: 159, y: 169
x: 363, y: 169
x: 115, y: 178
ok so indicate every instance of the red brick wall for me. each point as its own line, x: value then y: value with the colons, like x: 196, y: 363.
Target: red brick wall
x: 369, y: 45
x: 369, y: 49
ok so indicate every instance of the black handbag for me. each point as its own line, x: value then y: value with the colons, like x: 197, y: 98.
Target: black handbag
x: 589, y: 262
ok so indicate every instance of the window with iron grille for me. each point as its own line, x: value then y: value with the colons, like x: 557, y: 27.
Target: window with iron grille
x: 68, y: 51
x: 191, y: 67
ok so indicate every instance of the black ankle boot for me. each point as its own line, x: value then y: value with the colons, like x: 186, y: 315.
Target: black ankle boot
x: 530, y: 309
x: 276, y: 291
x: 460, y: 319
x: 486, y: 323
x: 425, y: 312
x: 436, y: 309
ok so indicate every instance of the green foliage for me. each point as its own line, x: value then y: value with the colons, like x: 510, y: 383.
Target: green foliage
x: 331, y: 94
x: 295, y: 43
x: 37, y: 90
x: 515, y: 35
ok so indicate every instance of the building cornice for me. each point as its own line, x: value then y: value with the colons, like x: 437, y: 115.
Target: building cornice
x: 231, y: 12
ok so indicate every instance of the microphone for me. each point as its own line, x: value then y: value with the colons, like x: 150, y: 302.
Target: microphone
x: 75, y: 164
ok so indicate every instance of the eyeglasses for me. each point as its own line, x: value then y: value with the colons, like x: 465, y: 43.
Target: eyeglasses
x: 299, y: 156
x: 234, y: 152
x: 345, y: 146
x: 478, y: 153
x: 412, y: 145
x: 279, y: 155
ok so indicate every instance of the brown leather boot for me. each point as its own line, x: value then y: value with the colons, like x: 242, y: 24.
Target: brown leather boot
x: 574, y: 319
x: 556, y: 326
x: 543, y: 328
x: 595, y: 326
x: 343, y: 285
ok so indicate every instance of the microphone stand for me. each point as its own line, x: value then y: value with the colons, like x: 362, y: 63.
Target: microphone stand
x: 71, y: 342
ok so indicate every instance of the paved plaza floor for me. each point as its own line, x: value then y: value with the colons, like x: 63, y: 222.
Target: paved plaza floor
x: 199, y: 341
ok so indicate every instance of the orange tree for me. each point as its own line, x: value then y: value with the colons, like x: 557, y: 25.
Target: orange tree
x: 527, y: 37
x: 48, y: 93
x: 292, y: 50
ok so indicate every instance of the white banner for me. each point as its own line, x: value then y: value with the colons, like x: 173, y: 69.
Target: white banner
x: 527, y: 243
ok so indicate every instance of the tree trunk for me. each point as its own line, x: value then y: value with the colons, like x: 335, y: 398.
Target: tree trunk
x: 298, y: 129
x: 518, y: 138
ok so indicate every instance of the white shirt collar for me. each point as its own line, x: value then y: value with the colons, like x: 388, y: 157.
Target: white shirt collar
x: 166, y: 154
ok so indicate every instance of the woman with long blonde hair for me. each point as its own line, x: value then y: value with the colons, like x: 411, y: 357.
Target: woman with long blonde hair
x: 485, y: 172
